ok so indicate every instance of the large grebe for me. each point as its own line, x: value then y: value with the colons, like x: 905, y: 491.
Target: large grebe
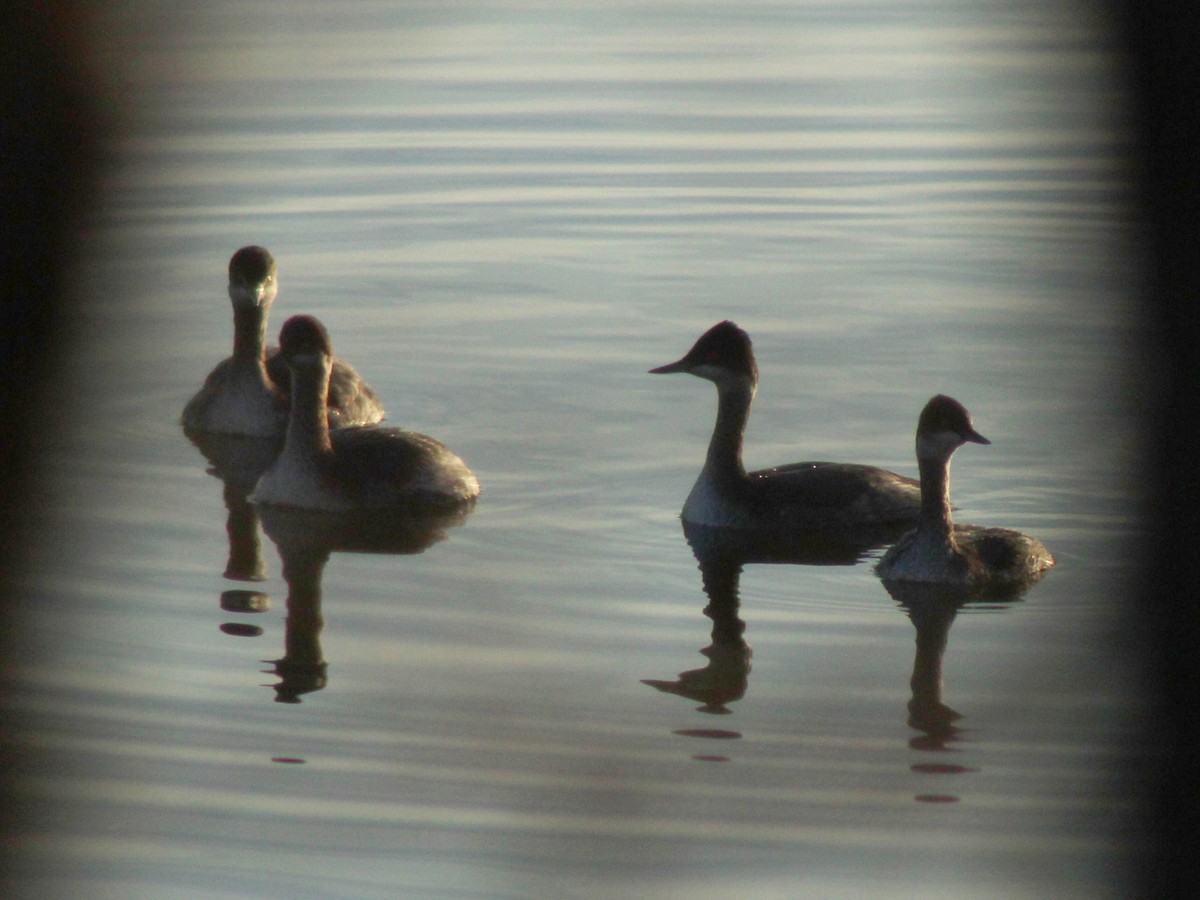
x: 940, y: 551
x: 361, y: 467
x: 247, y: 393
x: 806, y: 495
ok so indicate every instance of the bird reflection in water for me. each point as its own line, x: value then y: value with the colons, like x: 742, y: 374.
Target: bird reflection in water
x: 722, y: 553
x: 723, y: 679
x: 238, y: 461
x: 305, y: 540
x: 932, y: 608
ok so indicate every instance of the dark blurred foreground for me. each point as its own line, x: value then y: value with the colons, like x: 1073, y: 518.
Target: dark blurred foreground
x: 1163, y: 42
x: 51, y: 139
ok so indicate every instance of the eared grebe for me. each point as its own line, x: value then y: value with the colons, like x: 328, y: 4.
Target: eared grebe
x: 806, y: 495
x: 361, y: 467
x: 247, y: 393
x: 940, y: 551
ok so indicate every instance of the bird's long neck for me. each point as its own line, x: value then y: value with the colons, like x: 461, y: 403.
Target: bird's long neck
x: 250, y: 334
x: 308, y: 425
x: 935, y: 518
x: 724, y: 461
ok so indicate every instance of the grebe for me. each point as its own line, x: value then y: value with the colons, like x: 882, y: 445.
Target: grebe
x: 247, y: 393
x: 361, y: 467
x: 940, y: 551
x: 806, y: 495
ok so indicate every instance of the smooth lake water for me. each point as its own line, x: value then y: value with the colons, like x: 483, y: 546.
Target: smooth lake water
x: 506, y: 213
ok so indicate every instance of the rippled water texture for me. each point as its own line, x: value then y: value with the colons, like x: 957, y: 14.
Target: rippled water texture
x: 506, y: 214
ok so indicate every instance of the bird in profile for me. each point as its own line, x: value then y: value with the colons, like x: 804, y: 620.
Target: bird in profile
x: 812, y: 496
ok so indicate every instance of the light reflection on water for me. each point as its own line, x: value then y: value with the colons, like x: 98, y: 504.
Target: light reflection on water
x: 506, y: 215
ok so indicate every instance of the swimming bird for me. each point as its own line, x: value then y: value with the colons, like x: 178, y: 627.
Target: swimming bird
x: 247, y: 393
x: 361, y: 467
x: 937, y: 550
x: 806, y: 495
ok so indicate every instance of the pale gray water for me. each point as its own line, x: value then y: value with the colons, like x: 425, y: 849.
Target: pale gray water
x: 506, y: 214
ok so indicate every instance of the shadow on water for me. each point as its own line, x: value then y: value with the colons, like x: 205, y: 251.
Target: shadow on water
x: 722, y: 554
x: 932, y: 608
x: 305, y: 540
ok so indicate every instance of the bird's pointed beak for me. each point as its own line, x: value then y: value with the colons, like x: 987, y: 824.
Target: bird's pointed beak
x: 680, y: 365
x: 976, y: 438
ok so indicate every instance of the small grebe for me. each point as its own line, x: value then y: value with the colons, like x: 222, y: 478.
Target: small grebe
x: 247, y: 393
x: 940, y: 551
x: 361, y: 467
x: 807, y: 495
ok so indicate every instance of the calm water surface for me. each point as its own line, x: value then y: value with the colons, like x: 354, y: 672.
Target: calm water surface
x: 506, y: 214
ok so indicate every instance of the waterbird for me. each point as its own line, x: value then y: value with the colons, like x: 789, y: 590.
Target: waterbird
x: 247, y: 393
x: 805, y: 495
x: 359, y: 467
x: 937, y: 550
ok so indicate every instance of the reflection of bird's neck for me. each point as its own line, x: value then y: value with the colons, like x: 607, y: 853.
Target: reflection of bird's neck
x: 932, y: 618
x: 933, y: 632
x: 302, y: 668
x: 303, y: 571
x: 721, y: 578
x: 245, y: 561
